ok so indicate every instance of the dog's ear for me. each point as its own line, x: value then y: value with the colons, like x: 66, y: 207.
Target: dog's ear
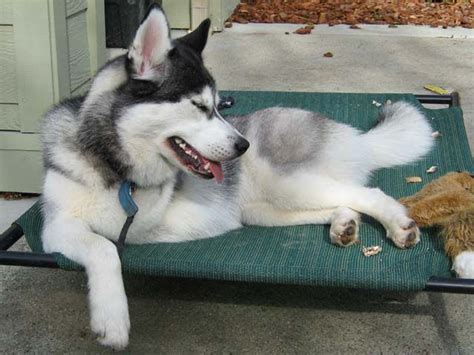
x: 198, y: 38
x: 150, y: 45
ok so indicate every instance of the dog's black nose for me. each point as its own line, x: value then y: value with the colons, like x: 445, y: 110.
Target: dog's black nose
x: 241, y: 145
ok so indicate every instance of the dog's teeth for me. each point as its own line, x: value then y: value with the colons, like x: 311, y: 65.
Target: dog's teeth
x: 207, y: 166
x: 178, y: 140
x: 195, y: 156
x: 188, y: 152
x: 182, y: 145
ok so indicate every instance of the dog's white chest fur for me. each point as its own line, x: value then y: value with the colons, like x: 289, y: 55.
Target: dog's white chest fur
x: 94, y: 205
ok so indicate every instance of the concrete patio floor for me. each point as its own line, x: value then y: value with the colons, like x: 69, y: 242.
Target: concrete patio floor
x: 45, y: 311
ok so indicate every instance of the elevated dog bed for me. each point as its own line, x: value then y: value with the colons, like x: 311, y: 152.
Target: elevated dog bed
x: 302, y: 254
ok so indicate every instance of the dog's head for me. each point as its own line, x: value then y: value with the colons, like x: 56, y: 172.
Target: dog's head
x: 167, y: 101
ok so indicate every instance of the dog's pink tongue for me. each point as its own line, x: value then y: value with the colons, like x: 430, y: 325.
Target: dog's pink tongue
x: 216, y: 170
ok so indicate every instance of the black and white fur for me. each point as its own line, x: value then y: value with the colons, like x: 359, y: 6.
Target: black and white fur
x: 300, y: 167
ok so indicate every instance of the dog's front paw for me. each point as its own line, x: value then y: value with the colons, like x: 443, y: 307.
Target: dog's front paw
x: 344, y: 232
x: 464, y: 265
x: 112, y: 326
x: 404, y: 233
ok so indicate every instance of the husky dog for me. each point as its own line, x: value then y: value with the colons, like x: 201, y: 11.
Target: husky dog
x: 150, y: 117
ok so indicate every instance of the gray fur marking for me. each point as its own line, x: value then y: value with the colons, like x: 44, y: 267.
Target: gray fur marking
x: 290, y: 137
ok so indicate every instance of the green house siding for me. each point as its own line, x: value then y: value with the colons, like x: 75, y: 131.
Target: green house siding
x: 178, y: 13
x: 187, y: 14
x: 49, y: 50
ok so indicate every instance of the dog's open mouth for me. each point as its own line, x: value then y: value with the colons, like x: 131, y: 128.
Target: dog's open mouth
x: 194, y: 161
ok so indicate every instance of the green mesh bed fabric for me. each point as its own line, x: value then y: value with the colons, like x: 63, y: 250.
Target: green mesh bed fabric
x: 303, y: 254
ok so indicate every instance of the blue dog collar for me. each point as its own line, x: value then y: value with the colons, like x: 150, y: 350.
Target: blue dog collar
x: 130, y: 209
x: 126, y: 200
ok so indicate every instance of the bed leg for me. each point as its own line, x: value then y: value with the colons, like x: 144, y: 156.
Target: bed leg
x: 18, y: 258
x: 10, y: 236
x: 450, y: 285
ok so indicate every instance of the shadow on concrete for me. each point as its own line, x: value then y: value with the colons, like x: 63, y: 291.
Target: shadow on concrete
x: 290, y: 296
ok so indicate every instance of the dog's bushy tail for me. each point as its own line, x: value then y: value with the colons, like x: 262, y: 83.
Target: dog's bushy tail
x: 402, y: 136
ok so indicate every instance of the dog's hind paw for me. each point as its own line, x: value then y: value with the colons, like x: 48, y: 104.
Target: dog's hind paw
x: 344, y: 227
x: 112, y: 330
x: 464, y: 265
x: 345, y: 234
x: 404, y: 234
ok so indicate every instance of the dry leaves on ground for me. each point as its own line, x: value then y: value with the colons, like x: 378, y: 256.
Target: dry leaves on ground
x: 351, y: 12
x: 10, y: 196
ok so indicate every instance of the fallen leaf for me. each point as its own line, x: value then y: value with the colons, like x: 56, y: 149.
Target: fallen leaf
x: 373, y: 250
x: 413, y: 179
x: 240, y: 20
x: 323, y: 17
x: 303, y: 30
x: 436, y: 89
x: 432, y: 169
x: 328, y: 55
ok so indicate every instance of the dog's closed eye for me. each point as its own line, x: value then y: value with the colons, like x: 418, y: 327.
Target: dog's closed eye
x: 202, y: 107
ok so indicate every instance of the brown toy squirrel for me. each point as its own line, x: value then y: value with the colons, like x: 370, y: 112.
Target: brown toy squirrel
x: 448, y: 203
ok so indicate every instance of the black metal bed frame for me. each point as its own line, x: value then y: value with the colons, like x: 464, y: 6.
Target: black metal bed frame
x: 434, y: 284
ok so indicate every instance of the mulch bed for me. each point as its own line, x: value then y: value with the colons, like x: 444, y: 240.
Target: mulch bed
x: 11, y: 196
x: 334, y: 12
